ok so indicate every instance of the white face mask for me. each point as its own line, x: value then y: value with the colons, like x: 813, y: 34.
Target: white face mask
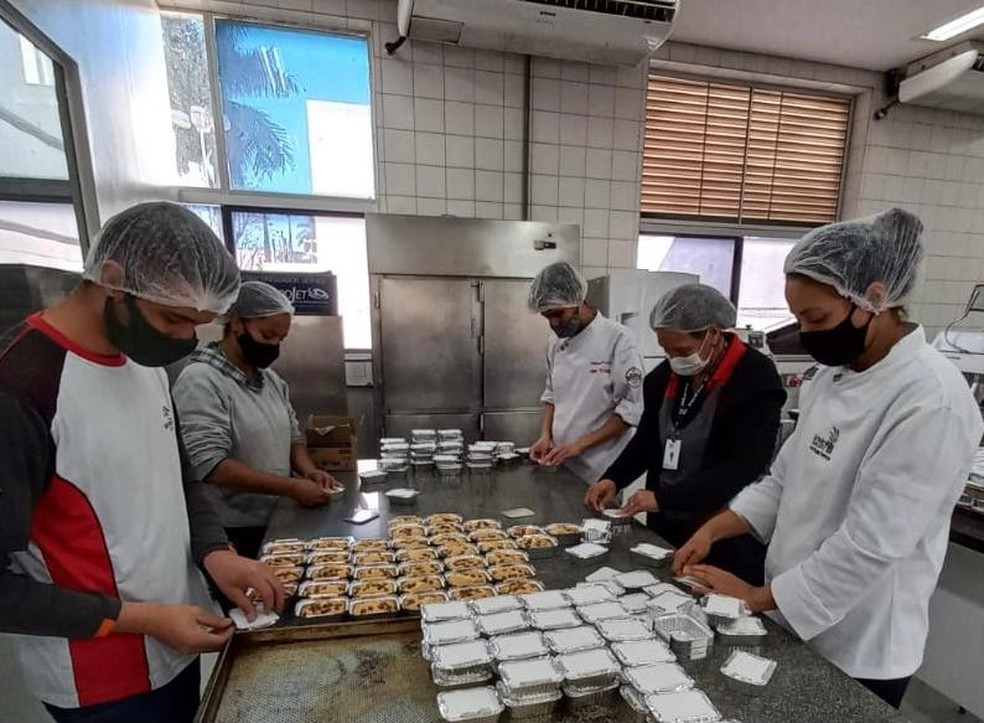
x: 688, y: 366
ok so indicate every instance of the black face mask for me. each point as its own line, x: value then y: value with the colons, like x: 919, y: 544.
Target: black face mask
x: 838, y: 346
x: 255, y: 353
x: 140, y: 341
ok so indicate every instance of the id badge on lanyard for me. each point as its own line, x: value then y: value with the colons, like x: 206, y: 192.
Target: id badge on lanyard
x: 671, y: 453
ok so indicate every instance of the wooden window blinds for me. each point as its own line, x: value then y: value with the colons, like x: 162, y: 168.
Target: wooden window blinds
x: 738, y: 153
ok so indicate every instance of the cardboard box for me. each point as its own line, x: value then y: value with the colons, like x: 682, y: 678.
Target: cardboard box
x: 334, y: 459
x: 331, y: 431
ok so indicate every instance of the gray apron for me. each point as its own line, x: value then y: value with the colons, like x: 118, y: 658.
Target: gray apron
x: 693, y: 438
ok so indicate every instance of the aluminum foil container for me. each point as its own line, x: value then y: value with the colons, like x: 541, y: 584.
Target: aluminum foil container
x: 721, y: 609
x: 595, y: 530
x: 589, y: 595
x: 546, y: 600
x: 444, y: 679
x: 452, y: 631
x: 748, y: 669
x: 587, y: 669
x: 375, y: 476
x: 693, y: 706
x: 636, y: 704
x: 587, y: 552
x: 642, y: 652
x: 554, y: 619
x: 636, y: 580
x: 442, y: 612
x: 573, y: 640
x: 668, y: 602
x: 625, y: 630
x: 613, y: 587
x: 504, y: 623
x: 658, y: 678
x: 579, y: 697
x: 689, y: 638
x: 518, y: 646
x: 532, y: 677
x: 498, y: 604
x: 522, y: 706
x: 470, y: 705
x: 599, y: 612
x: 748, y: 631
x: 462, y: 658
x: 652, y: 555
x: 635, y: 603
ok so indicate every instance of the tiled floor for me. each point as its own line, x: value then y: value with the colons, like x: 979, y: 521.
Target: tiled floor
x: 922, y: 704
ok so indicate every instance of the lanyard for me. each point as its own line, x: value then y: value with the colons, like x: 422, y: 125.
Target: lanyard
x: 685, y: 402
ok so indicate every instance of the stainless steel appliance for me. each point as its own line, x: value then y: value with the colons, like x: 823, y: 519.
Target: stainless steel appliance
x: 628, y: 297
x: 455, y: 346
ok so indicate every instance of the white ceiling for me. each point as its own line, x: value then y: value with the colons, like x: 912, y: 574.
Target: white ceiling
x: 870, y: 34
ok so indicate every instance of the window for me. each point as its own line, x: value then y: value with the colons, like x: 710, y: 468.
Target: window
x: 40, y: 234
x: 757, y: 289
x: 744, y: 154
x: 304, y: 243
x: 212, y: 215
x: 296, y: 108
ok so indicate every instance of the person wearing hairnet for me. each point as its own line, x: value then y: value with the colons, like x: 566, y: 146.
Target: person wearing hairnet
x: 238, y: 425
x: 708, y: 430
x: 593, y: 396
x: 103, y: 541
x: 856, y: 508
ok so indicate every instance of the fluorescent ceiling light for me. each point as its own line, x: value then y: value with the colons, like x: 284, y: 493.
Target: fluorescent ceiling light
x: 956, y: 27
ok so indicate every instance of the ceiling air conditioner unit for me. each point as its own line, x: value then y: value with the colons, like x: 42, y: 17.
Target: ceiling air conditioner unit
x: 606, y: 32
x: 952, y: 79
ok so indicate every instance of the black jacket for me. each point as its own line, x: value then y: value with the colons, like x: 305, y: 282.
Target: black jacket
x: 740, y: 448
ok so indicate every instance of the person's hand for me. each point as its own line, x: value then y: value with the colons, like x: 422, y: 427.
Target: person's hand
x: 716, y: 580
x: 561, y: 453
x: 541, y: 449
x: 186, y: 628
x: 694, y: 551
x: 600, y: 495
x: 309, y: 493
x: 319, y: 476
x: 641, y: 501
x: 234, y: 575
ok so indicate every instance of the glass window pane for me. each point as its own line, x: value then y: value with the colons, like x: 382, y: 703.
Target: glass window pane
x: 40, y: 234
x: 297, y: 110
x: 191, y: 101
x: 300, y: 243
x: 212, y: 215
x: 761, y: 296
x: 30, y: 126
x: 711, y: 259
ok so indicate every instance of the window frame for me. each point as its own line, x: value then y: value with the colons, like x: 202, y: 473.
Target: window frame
x: 267, y: 201
x: 767, y: 228
x: 79, y: 189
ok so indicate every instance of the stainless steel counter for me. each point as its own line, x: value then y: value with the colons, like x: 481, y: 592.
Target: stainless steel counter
x: 805, y: 687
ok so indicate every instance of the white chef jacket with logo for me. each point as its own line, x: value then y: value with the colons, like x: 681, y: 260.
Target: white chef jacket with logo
x: 590, y: 377
x: 857, y: 506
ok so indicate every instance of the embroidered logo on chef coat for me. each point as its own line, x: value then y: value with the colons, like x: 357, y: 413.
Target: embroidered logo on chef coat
x: 633, y: 377
x: 599, y: 367
x: 168, y: 417
x: 824, y: 446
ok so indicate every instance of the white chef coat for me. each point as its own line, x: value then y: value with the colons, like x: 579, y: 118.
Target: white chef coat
x: 590, y: 377
x: 856, y: 508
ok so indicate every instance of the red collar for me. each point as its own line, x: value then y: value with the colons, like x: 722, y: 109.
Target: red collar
x: 37, y: 322
x: 735, y: 351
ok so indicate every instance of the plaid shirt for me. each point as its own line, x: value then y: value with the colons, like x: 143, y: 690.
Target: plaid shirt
x: 213, y: 355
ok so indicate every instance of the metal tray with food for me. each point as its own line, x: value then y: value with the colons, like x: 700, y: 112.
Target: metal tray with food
x: 404, y: 532
x: 594, y: 668
x: 538, y: 546
x: 487, y: 534
x: 506, y: 557
x: 414, y: 601
x: 487, y: 547
x: 398, y: 520
x: 422, y: 554
x: 376, y: 572
x: 518, y: 531
x: 323, y: 588
x: 502, y: 573
x: 443, y: 517
x: 423, y: 567
x: 328, y: 557
x: 372, y: 588
x: 449, y: 538
x: 464, y: 562
x: 567, y: 533
x: 481, y: 524
x: 470, y: 594
x: 370, y: 545
x: 375, y: 607
x: 375, y: 557
x: 284, y: 559
x: 572, y: 639
x: 579, y: 698
x: 443, y: 528
x: 329, y: 572
x: 470, y: 705
x: 467, y: 578
x: 410, y: 543
x: 519, y: 587
x: 457, y: 549
x: 289, y: 575
x: 536, y: 707
x: 532, y: 677
x: 470, y: 657
x: 419, y: 584
x: 326, y: 609
x: 284, y: 546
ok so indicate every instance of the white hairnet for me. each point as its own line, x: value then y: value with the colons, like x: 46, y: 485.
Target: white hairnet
x: 693, y: 308
x: 258, y: 299
x: 853, y: 255
x: 557, y: 286
x: 167, y: 255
